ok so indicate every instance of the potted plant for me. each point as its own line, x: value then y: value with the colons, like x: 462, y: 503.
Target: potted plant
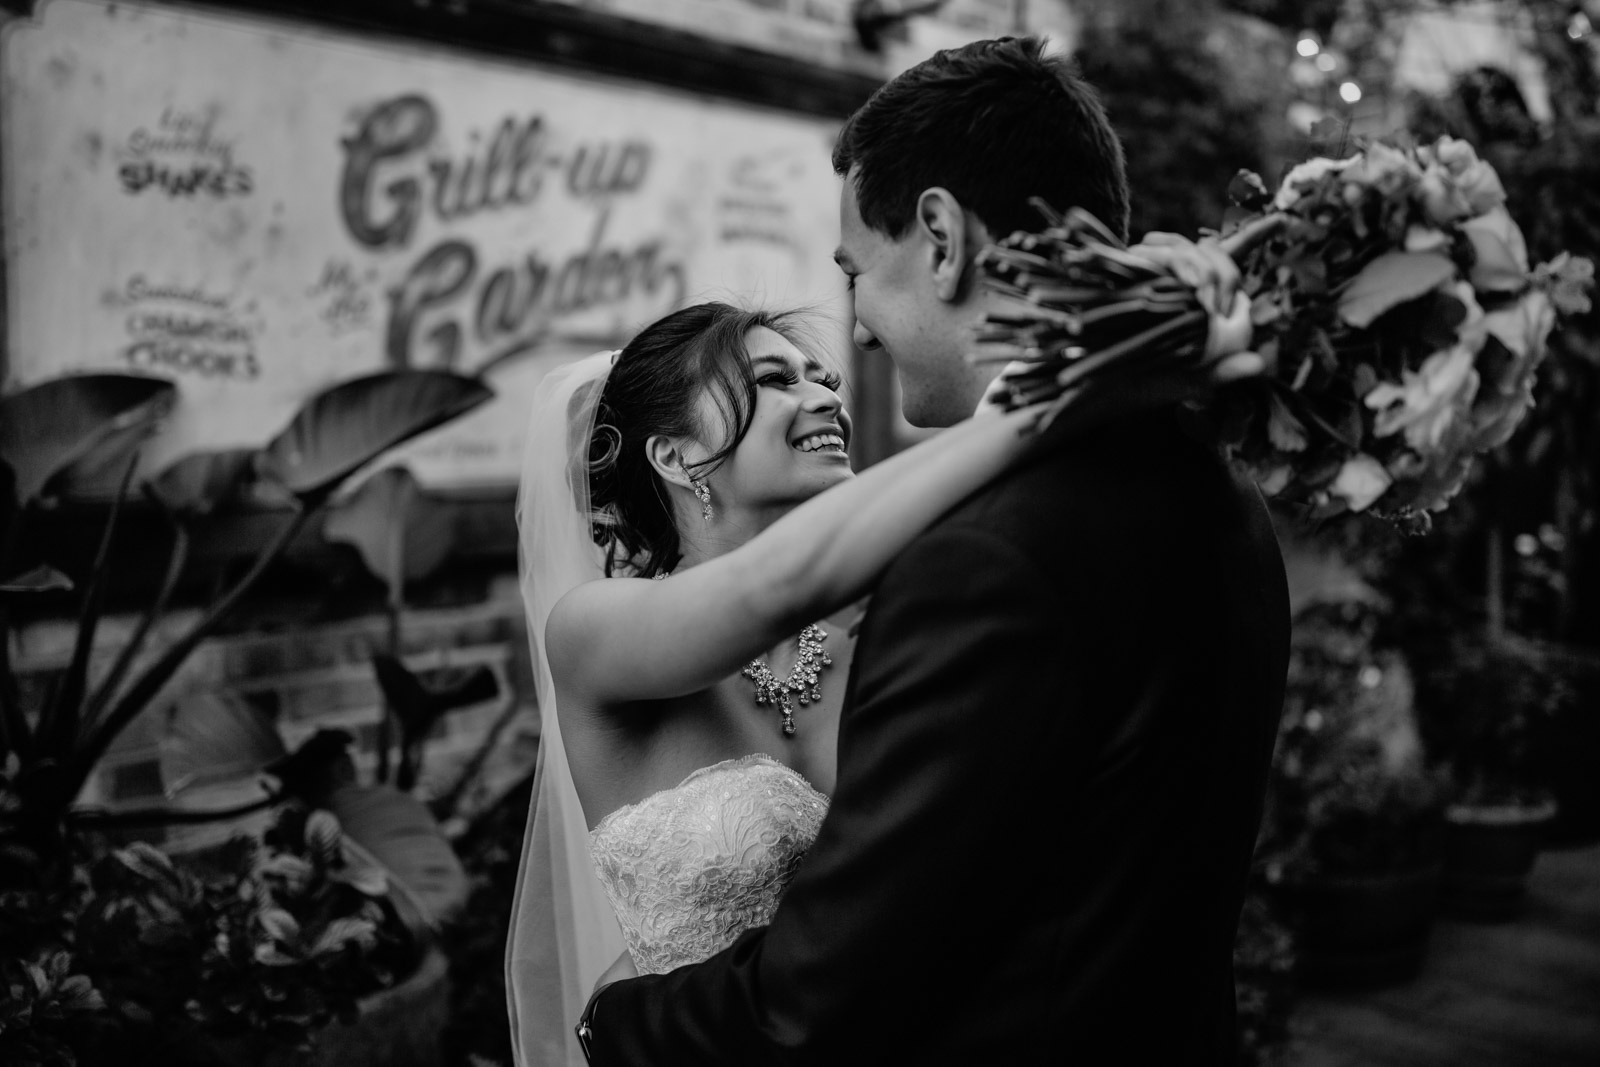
x: 1482, y: 704
x: 82, y: 434
x: 1353, y: 820
x: 251, y: 953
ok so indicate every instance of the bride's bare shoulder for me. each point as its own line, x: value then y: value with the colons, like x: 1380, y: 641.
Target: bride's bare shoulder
x: 587, y: 612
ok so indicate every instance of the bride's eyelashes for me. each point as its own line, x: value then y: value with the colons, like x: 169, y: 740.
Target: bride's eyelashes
x: 788, y: 379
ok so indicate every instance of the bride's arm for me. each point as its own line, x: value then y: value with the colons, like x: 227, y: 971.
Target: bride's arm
x: 632, y: 639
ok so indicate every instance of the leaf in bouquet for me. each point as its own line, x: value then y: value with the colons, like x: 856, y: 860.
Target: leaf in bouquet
x: 1248, y: 192
x: 1310, y: 273
x: 1286, y: 432
x: 1321, y: 469
x: 1504, y: 397
x: 1569, y: 280
x: 1361, y: 480
x: 1389, y: 281
x: 1501, y: 255
x: 1441, y: 319
x: 1524, y: 326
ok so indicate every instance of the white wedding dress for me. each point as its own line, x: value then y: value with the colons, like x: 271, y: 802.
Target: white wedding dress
x: 672, y: 879
x: 688, y: 869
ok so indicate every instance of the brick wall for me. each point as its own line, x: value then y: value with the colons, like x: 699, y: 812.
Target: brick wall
x: 302, y: 680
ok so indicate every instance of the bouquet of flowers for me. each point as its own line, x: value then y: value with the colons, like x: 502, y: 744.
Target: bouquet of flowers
x: 1390, y: 297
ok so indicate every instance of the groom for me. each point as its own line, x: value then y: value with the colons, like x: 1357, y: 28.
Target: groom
x: 1057, y: 731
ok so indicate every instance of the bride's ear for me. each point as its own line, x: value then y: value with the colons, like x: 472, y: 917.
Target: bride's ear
x: 667, y: 456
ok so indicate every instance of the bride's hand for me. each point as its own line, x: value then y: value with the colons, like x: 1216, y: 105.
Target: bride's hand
x: 618, y: 971
x: 1214, y: 276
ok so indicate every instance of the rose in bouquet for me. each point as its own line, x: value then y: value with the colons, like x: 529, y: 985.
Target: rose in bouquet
x: 1390, y: 296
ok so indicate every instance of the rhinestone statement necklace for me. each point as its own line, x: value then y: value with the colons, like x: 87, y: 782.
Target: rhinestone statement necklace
x: 803, y: 680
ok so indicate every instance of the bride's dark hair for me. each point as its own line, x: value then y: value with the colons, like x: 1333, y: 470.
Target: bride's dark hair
x: 654, y: 388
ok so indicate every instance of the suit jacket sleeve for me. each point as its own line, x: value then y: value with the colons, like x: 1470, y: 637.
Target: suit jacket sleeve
x: 896, y: 901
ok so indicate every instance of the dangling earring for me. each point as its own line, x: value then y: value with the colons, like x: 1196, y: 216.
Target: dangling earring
x: 702, y: 493
x: 701, y: 490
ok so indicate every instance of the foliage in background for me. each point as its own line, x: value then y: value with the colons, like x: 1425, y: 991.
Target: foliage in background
x: 1482, y: 705
x: 263, y: 942
x: 475, y: 942
x: 1178, y: 93
x: 68, y: 432
x: 1264, y: 985
x: 1351, y: 792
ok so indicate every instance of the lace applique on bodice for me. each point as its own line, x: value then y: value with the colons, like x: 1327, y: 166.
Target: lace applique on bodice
x: 690, y: 868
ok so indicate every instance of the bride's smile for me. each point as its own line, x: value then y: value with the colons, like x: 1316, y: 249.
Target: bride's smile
x: 798, y: 443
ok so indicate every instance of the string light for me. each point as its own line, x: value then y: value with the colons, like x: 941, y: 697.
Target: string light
x: 1578, y: 28
x: 1307, y: 46
x: 1349, y: 92
x: 1326, y: 63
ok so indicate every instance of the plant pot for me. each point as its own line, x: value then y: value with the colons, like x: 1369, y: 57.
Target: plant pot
x: 1488, y: 852
x: 1361, y: 931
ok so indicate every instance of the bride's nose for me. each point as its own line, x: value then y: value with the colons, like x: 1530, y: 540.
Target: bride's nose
x: 822, y: 400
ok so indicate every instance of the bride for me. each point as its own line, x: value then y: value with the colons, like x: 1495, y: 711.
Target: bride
x: 690, y: 705
x: 690, y: 701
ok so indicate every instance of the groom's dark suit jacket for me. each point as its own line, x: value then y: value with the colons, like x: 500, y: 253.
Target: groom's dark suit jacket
x: 1051, y: 766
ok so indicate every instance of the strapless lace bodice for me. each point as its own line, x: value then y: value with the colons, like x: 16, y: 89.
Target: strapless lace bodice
x: 690, y: 868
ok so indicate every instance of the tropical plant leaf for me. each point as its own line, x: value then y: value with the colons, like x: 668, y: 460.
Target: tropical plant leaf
x: 316, y: 769
x: 398, y: 833
x: 216, y: 735
x: 200, y: 482
x: 88, y: 421
x: 346, y: 427
x: 41, y: 579
x: 1389, y: 281
x: 402, y: 534
x: 420, y: 701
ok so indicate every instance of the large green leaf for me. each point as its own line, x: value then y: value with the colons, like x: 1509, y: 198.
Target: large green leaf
x: 41, y: 579
x: 89, y: 422
x: 1389, y: 281
x: 197, y: 484
x: 398, y: 833
x: 348, y: 426
x: 402, y: 534
x: 216, y: 735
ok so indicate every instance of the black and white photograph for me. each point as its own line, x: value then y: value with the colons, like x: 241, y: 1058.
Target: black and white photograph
x: 799, y: 533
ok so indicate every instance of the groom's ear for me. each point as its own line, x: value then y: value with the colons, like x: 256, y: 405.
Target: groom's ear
x: 667, y: 456
x: 952, y: 235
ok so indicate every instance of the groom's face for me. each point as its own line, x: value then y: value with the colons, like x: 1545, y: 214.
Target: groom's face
x: 899, y: 311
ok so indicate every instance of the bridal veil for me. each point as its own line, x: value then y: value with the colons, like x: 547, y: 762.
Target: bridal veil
x: 563, y: 934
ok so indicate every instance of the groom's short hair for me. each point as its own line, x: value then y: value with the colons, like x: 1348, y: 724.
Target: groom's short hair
x: 994, y: 122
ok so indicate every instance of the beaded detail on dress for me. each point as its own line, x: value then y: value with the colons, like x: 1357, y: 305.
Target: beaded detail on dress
x: 690, y: 868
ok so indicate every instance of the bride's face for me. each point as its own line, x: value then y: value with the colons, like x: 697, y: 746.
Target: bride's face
x: 799, y: 435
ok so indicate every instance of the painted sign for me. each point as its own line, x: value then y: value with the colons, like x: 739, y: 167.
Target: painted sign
x: 258, y: 209
x: 824, y: 32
